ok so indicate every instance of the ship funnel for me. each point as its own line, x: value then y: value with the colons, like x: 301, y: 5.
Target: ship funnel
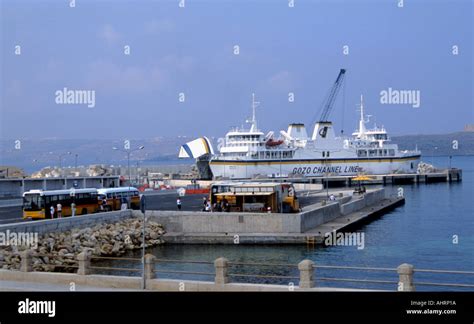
x: 297, y: 131
x: 323, y: 131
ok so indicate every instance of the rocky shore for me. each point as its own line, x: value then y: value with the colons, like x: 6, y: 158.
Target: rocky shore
x: 58, y: 251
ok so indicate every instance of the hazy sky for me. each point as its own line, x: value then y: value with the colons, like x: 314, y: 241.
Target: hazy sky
x: 191, y: 50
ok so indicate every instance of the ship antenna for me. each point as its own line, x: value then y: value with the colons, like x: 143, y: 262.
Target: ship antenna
x: 362, y: 121
x: 255, y: 104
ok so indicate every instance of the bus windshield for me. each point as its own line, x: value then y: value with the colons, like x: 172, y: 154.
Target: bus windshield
x: 32, y: 202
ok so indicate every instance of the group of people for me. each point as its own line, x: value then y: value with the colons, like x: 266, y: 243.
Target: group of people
x: 360, y: 190
x: 221, y: 206
x: 59, y: 210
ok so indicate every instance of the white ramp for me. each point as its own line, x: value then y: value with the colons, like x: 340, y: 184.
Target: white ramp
x: 196, y: 148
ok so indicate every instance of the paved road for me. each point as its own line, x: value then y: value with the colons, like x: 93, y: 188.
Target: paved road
x: 10, y: 215
x: 167, y: 201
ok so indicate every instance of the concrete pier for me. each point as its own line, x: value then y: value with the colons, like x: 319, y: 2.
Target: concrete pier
x: 448, y: 175
x: 308, y: 226
x: 335, y: 181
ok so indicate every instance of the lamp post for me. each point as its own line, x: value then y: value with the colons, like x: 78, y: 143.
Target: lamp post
x: 142, y: 206
x: 60, y: 157
x: 75, y: 162
x: 137, y: 174
x: 60, y: 166
x: 128, y: 152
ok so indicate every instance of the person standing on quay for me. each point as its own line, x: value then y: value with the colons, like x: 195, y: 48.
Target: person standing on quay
x: 59, y: 209
x: 178, y: 203
x: 73, y: 209
x: 51, y: 211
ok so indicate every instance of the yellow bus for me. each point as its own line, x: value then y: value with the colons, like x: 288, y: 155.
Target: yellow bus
x: 112, y: 198
x: 37, y: 203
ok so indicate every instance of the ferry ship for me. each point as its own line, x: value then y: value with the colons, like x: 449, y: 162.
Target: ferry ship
x: 249, y: 153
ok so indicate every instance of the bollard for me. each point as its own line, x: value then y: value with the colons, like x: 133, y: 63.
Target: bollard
x: 221, y: 266
x: 84, y: 260
x: 149, y: 266
x: 26, y: 261
x: 405, y: 273
x: 306, y: 268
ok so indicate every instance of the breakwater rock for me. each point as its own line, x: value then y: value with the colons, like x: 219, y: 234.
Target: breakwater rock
x: 58, y: 251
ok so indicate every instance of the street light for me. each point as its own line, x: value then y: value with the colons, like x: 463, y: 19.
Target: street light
x: 128, y: 152
x: 75, y: 162
x: 60, y: 156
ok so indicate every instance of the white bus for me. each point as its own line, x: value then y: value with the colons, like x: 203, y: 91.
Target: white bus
x: 112, y: 198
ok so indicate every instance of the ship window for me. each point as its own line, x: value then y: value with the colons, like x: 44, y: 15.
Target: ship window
x: 267, y: 155
x: 362, y: 153
x: 391, y: 152
x: 324, y: 154
x: 372, y: 152
x: 327, y: 154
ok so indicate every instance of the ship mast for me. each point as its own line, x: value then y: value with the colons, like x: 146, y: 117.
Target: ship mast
x: 253, y: 121
x: 361, y: 121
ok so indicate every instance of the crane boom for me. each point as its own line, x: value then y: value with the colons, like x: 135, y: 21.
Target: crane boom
x: 332, y: 96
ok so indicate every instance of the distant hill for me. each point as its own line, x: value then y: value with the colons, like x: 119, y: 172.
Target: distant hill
x: 35, y: 153
x: 436, y: 145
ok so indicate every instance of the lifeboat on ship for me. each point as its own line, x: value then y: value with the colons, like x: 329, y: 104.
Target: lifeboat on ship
x: 271, y: 142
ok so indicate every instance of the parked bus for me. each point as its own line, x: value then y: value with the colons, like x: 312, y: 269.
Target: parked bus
x: 254, y: 197
x: 37, y: 203
x: 114, y: 197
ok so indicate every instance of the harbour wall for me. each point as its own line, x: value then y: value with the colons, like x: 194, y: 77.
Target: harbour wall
x: 67, y: 223
x: 368, y: 199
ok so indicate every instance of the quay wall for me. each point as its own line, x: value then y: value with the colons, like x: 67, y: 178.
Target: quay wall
x: 67, y: 223
x: 319, y: 215
x: 205, y: 222
x: 358, y: 203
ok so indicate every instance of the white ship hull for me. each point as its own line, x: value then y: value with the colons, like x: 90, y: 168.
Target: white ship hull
x: 239, y: 169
